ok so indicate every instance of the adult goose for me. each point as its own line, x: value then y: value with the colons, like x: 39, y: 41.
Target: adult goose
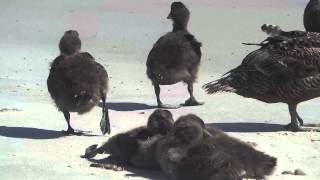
x: 311, y: 17
x: 77, y: 82
x: 284, y: 69
x: 175, y: 56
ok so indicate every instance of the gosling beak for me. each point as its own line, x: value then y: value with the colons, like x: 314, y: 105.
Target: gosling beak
x: 169, y: 16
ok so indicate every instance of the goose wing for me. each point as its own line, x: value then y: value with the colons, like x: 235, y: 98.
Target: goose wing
x: 287, y: 58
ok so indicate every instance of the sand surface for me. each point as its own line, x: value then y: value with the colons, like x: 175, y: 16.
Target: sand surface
x: 120, y: 34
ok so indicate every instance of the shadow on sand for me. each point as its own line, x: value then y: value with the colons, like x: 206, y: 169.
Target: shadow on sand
x: 128, y: 106
x: 31, y: 133
x: 134, y: 172
x: 132, y: 106
x: 247, y: 127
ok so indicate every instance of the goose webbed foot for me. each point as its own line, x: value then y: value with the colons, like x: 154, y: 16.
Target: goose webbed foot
x: 167, y: 106
x: 105, y: 121
x: 296, y: 128
x: 192, y: 102
x: 105, y: 125
x: 71, y: 131
x: 91, y: 152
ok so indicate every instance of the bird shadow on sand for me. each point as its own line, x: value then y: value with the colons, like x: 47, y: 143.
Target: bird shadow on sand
x: 247, y: 127
x: 133, y: 106
x: 128, y: 106
x: 32, y: 133
x: 133, y: 172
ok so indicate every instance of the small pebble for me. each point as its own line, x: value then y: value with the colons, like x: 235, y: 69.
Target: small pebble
x: 299, y: 172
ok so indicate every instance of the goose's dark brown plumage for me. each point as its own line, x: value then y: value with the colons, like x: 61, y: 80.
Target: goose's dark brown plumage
x: 193, y: 152
x: 171, y: 149
x: 285, y: 69
x: 311, y: 17
x: 175, y: 56
x: 222, y: 157
x: 77, y: 82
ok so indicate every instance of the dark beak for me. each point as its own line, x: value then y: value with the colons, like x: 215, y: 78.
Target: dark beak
x: 105, y: 122
x: 169, y: 16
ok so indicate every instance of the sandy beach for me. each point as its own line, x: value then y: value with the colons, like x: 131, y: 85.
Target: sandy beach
x: 119, y: 34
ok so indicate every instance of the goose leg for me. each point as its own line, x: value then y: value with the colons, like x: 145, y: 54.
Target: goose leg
x: 105, y: 121
x: 70, y: 130
x: 160, y: 104
x: 157, y: 92
x: 300, y: 119
x: 295, y: 120
x: 293, y: 125
x: 192, y: 100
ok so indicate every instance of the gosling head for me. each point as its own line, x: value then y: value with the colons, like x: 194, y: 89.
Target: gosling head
x: 180, y: 15
x: 70, y: 43
x: 160, y: 122
x: 189, y: 129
